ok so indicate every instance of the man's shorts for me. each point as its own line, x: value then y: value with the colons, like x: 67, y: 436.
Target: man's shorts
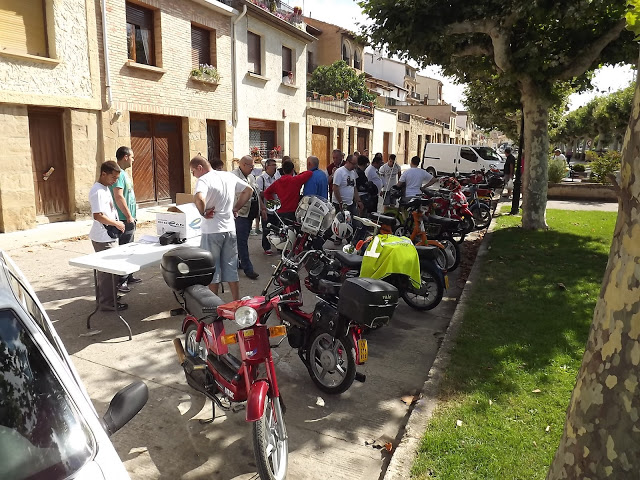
x: 224, y: 248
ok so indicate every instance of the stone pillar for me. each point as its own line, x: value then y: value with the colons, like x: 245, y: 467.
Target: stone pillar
x: 17, y: 193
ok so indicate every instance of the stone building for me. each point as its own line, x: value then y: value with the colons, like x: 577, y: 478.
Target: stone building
x: 156, y: 97
x: 49, y: 110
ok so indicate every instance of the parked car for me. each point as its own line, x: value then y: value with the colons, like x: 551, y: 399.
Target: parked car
x: 445, y: 158
x: 49, y: 428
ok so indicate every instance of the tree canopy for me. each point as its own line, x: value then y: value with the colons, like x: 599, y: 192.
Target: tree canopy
x: 533, y: 44
x: 339, y: 77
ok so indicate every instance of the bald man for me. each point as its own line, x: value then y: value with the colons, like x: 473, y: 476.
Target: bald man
x: 318, y: 184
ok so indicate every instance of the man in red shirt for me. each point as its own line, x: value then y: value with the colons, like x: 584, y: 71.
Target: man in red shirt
x: 287, y: 188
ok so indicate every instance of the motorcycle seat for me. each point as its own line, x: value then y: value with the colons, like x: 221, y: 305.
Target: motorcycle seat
x: 202, y: 303
x: 429, y: 252
x: 445, y: 222
x: 383, y: 219
x: 349, y: 259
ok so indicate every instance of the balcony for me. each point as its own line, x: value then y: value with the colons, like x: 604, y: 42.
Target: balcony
x: 279, y: 9
x: 404, y: 117
x: 326, y: 103
x: 414, y: 95
x: 359, y: 109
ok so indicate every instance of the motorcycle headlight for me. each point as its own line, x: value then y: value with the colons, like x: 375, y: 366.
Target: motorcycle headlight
x: 246, y: 316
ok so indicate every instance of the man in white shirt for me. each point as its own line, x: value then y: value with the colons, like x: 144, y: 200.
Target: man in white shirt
x: 264, y: 181
x: 105, y: 214
x: 214, y: 198
x: 373, y: 175
x: 390, y: 174
x: 414, y: 178
x: 345, y: 195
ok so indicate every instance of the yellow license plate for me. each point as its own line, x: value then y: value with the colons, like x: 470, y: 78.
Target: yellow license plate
x: 446, y: 282
x: 363, y: 350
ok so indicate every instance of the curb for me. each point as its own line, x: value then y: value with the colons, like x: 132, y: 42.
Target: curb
x: 399, y: 467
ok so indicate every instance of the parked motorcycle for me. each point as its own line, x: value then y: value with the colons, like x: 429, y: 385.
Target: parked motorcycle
x: 209, y: 367
x: 329, y: 340
x: 450, y: 202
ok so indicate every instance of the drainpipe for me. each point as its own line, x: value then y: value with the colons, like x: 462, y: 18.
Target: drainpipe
x: 105, y: 45
x: 234, y: 80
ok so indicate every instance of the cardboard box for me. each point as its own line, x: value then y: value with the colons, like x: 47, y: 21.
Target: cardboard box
x: 184, y: 219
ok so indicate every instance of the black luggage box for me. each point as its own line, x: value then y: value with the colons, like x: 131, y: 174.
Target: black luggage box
x: 183, y: 267
x: 367, y: 301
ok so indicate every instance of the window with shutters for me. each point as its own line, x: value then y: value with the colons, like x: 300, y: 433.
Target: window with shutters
x: 203, y: 51
x: 23, y: 27
x: 140, y: 35
x: 288, y: 75
x: 254, y: 51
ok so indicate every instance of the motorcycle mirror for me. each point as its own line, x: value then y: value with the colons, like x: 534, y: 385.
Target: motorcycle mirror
x: 124, y: 406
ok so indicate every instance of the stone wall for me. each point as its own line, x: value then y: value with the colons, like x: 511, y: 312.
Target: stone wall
x: 17, y: 204
x: 581, y: 191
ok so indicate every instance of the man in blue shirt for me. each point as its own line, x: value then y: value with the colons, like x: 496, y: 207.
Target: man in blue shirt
x: 318, y: 184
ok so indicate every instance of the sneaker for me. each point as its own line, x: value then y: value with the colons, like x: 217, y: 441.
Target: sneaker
x: 268, y: 252
x: 110, y: 308
x: 253, y: 233
x: 258, y: 231
x: 133, y: 279
x: 124, y: 288
x: 252, y: 275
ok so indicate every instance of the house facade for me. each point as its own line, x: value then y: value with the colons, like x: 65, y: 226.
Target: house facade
x: 400, y: 74
x: 429, y: 89
x: 271, y: 77
x: 49, y: 110
x: 156, y: 97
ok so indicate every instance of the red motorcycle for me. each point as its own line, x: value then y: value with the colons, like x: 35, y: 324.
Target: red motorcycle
x: 212, y: 370
x: 450, y: 202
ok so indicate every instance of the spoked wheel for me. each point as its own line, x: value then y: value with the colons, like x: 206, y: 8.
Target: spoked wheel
x: 192, y: 347
x: 429, y: 294
x: 331, y: 361
x: 270, y: 444
x: 481, y: 215
x: 451, y: 251
x: 400, y: 230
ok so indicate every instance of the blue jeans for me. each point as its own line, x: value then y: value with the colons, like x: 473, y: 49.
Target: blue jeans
x: 243, y: 227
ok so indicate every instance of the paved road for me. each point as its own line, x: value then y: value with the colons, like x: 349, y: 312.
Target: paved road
x: 329, y: 435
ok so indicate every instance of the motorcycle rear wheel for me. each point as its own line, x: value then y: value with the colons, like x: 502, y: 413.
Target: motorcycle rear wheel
x: 331, y: 361
x: 271, y: 451
x: 429, y: 294
x: 192, y: 347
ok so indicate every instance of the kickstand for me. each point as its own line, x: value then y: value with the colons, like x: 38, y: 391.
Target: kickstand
x: 213, y: 415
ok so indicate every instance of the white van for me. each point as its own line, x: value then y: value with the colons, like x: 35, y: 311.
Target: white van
x: 445, y: 158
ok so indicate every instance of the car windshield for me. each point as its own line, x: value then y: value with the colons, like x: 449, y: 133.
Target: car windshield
x: 488, y: 153
x: 42, y: 434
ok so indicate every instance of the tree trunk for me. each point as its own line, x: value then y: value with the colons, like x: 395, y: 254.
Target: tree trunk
x: 601, y: 436
x: 536, y: 151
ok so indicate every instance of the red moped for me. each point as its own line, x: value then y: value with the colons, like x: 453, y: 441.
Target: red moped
x: 211, y: 369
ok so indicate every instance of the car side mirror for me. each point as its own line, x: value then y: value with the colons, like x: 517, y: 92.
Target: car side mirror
x: 124, y: 406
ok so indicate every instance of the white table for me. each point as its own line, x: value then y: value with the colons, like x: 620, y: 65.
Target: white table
x: 124, y: 260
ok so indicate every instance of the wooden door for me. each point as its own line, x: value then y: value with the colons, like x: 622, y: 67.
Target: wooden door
x: 386, y: 138
x: 406, y: 147
x: 320, y: 145
x: 363, y: 143
x: 48, y: 163
x: 213, y: 140
x: 419, y: 146
x: 339, y: 145
x: 158, y: 172
x: 142, y: 170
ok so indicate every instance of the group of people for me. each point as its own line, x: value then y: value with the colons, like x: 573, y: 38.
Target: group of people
x: 230, y: 202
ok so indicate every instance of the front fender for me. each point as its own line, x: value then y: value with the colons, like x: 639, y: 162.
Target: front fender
x: 255, y: 400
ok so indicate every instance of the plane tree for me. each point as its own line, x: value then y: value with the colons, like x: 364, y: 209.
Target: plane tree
x: 535, y: 43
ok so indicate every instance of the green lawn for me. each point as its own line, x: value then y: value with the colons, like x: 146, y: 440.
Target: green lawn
x: 518, y: 351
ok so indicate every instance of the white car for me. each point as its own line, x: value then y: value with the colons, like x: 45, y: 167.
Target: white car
x: 49, y: 428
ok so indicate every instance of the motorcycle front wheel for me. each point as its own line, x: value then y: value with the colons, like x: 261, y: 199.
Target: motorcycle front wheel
x: 481, y: 215
x: 331, y: 361
x: 429, y: 294
x: 270, y: 444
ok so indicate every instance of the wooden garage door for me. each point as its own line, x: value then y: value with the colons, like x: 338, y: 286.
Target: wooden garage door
x: 363, y: 140
x: 320, y: 145
x: 48, y: 164
x: 158, y: 172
